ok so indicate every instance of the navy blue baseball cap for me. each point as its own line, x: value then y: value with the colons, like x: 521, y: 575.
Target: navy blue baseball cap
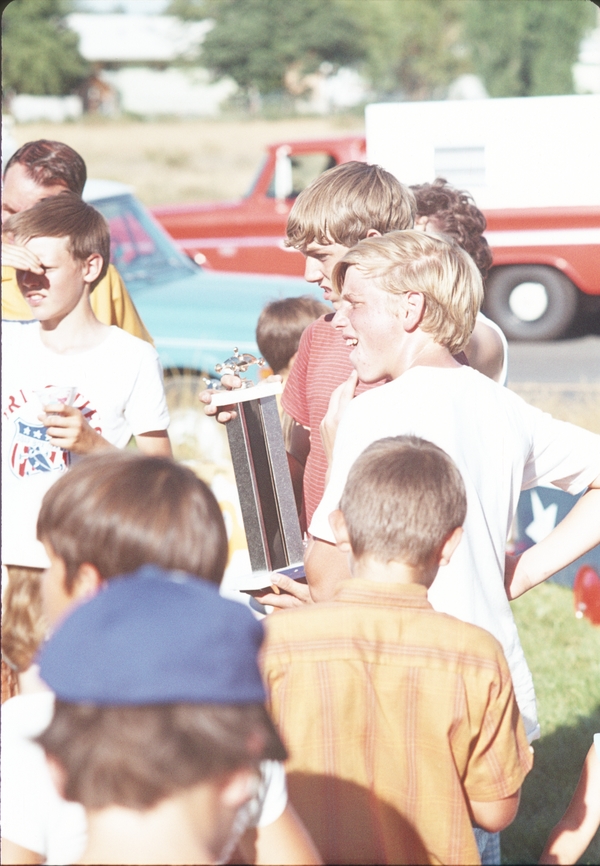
x: 153, y: 637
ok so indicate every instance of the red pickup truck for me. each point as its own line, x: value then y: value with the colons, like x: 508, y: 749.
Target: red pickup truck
x: 546, y: 260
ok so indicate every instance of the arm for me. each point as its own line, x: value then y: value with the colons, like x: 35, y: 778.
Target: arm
x: 337, y: 404
x: 485, y: 351
x: 574, y: 832
x: 285, y: 841
x: 497, y: 814
x: 16, y: 854
x: 20, y: 258
x: 577, y: 533
x: 156, y: 443
x: 325, y: 567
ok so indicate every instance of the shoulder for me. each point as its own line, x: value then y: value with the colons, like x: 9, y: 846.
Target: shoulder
x: 130, y: 346
x: 18, y: 334
x: 26, y: 716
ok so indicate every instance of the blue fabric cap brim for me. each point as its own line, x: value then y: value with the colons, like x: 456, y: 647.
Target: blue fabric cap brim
x: 156, y: 637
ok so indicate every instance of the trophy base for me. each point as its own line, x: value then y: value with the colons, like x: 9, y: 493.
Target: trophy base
x: 242, y: 395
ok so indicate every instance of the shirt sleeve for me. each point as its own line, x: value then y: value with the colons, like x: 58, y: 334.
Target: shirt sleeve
x: 501, y: 756
x: 562, y: 454
x: 294, y: 398
x: 146, y: 409
x: 274, y: 797
x: 112, y: 305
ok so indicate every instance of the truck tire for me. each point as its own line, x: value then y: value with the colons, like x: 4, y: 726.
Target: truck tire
x: 530, y: 302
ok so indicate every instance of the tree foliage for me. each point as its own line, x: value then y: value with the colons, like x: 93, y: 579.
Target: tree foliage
x: 414, y: 48
x: 526, y: 47
x: 258, y: 42
x: 40, y: 54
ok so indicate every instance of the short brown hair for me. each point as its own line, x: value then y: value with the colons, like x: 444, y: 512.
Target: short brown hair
x: 49, y: 163
x: 345, y: 202
x: 120, y: 510
x: 135, y: 756
x: 435, y: 266
x: 403, y: 498
x: 457, y: 215
x: 65, y: 216
x: 280, y: 326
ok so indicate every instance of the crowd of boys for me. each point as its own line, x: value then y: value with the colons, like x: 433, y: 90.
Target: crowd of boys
x: 153, y: 724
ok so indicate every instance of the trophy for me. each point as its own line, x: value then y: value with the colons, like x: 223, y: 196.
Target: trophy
x: 260, y: 466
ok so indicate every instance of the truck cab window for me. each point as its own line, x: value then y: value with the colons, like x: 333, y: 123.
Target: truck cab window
x: 305, y: 168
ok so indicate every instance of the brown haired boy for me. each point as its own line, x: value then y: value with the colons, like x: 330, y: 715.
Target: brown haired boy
x: 159, y: 727
x: 37, y: 170
x: 110, y: 515
x: 71, y: 385
x: 408, y: 730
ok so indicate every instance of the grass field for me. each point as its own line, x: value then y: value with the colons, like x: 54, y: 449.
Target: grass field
x: 564, y: 656
x: 177, y: 161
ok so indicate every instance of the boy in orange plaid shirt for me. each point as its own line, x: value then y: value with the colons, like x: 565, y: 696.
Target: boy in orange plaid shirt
x: 401, y: 722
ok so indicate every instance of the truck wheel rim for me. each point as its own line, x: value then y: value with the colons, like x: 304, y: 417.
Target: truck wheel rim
x: 528, y: 301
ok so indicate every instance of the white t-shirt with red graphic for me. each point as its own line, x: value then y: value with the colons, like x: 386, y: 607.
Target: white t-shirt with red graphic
x: 118, y: 387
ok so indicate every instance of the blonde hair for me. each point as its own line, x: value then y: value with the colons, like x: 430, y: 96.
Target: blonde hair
x: 345, y: 202
x: 412, y: 261
x: 23, y: 622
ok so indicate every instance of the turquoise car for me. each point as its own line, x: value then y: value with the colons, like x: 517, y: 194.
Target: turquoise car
x: 196, y: 316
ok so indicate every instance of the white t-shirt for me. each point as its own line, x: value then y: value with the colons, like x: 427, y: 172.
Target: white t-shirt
x: 36, y: 817
x: 119, y: 390
x: 33, y: 814
x: 501, y: 445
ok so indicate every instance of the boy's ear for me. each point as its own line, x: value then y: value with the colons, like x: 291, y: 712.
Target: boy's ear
x: 340, y: 531
x: 373, y: 233
x: 450, y: 545
x: 92, y: 267
x: 414, y: 310
x: 239, y: 787
x: 87, y: 581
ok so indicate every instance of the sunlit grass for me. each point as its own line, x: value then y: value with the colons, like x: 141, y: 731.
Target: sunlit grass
x: 564, y: 656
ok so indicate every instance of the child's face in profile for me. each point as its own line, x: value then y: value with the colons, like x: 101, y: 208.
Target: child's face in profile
x: 320, y: 260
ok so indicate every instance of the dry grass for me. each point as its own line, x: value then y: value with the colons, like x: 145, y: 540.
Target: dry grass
x: 577, y: 402
x: 179, y: 161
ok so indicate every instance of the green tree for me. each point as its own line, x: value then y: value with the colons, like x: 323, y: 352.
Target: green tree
x: 40, y: 55
x: 414, y: 48
x: 526, y: 47
x: 259, y: 42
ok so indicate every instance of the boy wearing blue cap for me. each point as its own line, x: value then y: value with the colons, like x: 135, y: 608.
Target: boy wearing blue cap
x: 159, y: 725
x: 109, y: 516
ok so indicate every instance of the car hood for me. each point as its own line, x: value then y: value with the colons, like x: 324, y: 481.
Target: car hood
x: 197, y: 321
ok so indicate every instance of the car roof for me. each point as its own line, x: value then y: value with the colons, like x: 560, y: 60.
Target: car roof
x: 95, y: 189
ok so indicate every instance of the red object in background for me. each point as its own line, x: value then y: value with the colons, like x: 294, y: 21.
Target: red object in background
x: 586, y: 592
x: 247, y: 234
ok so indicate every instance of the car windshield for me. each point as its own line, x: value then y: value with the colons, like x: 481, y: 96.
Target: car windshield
x: 139, y: 249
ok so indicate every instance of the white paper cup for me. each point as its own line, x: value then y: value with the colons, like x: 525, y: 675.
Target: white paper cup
x: 64, y: 394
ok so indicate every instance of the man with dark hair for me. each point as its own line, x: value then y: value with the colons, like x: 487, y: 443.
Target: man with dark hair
x: 159, y: 726
x: 38, y: 170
